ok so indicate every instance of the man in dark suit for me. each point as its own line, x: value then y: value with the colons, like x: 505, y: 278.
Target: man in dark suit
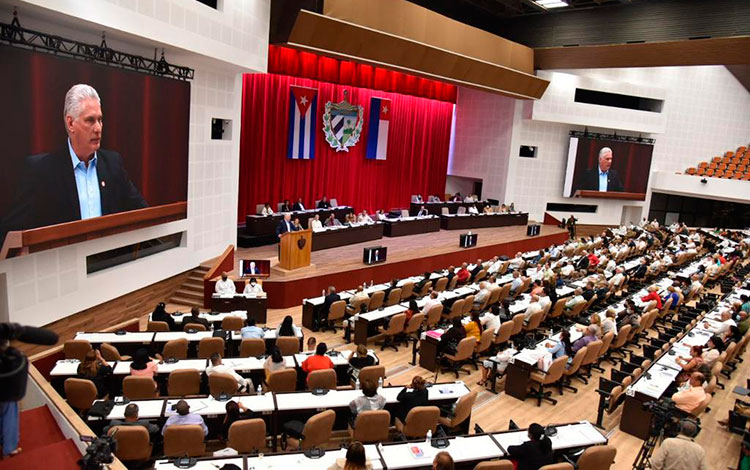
x: 583, y: 262
x: 285, y: 225
x: 477, y: 269
x: 286, y: 206
x: 79, y: 181
x: 603, y: 177
x: 324, y: 204
x: 299, y: 206
x: 329, y: 299
x: 420, y: 285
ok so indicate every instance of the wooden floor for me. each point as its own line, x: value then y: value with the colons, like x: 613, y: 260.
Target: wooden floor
x: 492, y: 412
x: 348, y: 258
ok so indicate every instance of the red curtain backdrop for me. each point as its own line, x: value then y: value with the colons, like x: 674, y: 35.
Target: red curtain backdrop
x: 146, y: 120
x: 417, y: 150
x: 286, y: 61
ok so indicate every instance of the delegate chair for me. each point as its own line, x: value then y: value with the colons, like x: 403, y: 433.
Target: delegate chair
x: 592, y: 354
x: 456, y: 310
x: 407, y: 290
x: 552, y: 376
x: 371, y: 426
x: 376, y: 300
x: 462, y: 411
x: 395, y: 328
x: 133, y: 443
x: 463, y: 354
x: 573, y: 369
x: 247, y: 435
x: 76, y: 349
x: 282, y: 381
x: 434, y: 315
x: 419, y: 420
x: 207, y: 347
x: 374, y: 373
x: 317, y: 430
x: 183, y: 382
x: 139, y: 388
x: 219, y: 383
x: 252, y: 347
x: 558, y: 466
x: 232, y: 323
x: 110, y: 353
x: 193, y: 327
x: 288, y: 345
x: 80, y: 394
x: 184, y: 440
x: 176, y: 348
x: 394, y: 297
x: 441, y: 284
x: 157, y: 326
x: 597, y: 458
x: 335, y: 314
x: 413, y: 328
x: 503, y: 464
x: 503, y: 334
x: 322, y: 379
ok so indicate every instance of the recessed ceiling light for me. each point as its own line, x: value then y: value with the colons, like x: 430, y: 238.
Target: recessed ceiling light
x: 551, y: 3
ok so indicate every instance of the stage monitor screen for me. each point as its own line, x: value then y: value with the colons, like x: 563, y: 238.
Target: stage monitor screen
x: 374, y: 254
x: 255, y: 268
x: 68, y: 156
x: 611, y: 165
x: 467, y: 240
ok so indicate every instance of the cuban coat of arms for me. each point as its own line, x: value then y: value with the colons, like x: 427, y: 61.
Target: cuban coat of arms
x: 342, y: 123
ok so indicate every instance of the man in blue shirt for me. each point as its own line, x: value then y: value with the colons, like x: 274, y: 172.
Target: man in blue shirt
x: 250, y: 330
x: 603, y: 177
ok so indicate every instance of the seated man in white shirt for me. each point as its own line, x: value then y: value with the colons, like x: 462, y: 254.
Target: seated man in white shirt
x: 252, y: 287
x: 575, y: 299
x: 696, y: 285
x: 469, y: 198
x: 431, y: 301
x: 359, y: 297
x: 617, y: 279
x: 364, y: 218
x: 217, y: 366
x: 567, y: 270
x: 533, y: 308
x: 473, y: 210
x: 482, y: 296
x: 490, y: 321
x: 516, y: 283
x: 225, y: 286
x: 495, y: 265
x: 722, y: 328
x: 315, y: 223
x: 517, y: 262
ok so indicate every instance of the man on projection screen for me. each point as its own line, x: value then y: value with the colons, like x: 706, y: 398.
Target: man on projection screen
x: 80, y: 181
x: 603, y: 177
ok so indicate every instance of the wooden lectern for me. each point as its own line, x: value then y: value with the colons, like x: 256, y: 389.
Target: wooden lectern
x: 294, y: 249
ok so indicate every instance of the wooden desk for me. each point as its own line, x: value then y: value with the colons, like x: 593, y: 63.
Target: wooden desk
x: 401, y: 227
x: 517, y: 379
x: 428, y: 351
x: 265, y: 225
x: 332, y: 238
x: 436, y: 208
x: 256, y: 307
x: 463, y: 222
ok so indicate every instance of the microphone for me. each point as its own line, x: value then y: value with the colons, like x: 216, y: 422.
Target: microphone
x: 27, y: 334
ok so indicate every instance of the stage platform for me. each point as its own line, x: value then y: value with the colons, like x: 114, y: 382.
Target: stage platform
x: 408, y: 255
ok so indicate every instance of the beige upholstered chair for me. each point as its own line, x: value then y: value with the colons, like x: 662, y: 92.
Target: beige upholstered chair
x: 157, y: 326
x: 503, y: 464
x: 288, y: 345
x: 139, y: 387
x: 374, y: 373
x: 325, y: 378
x: 232, y: 323
x: 419, y: 420
x: 395, y: 328
x: 394, y: 297
x: 247, y: 435
x: 110, y: 353
x: 184, y: 440
x: 317, y: 431
x: 252, y: 347
x: 183, y: 382
x: 552, y: 376
x: 463, y: 354
x: 207, y: 347
x: 282, y: 381
x: 176, y: 348
x: 219, y: 383
x: 597, y: 458
x: 376, y: 300
x: 371, y: 426
x: 461, y: 412
x: 76, y: 349
x: 80, y: 394
x: 133, y: 443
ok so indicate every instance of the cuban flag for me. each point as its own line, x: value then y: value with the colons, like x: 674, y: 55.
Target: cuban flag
x: 377, y: 137
x: 303, y: 103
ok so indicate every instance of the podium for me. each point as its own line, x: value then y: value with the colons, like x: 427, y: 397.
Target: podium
x: 294, y: 249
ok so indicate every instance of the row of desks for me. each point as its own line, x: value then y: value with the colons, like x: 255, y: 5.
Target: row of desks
x: 468, y: 221
x: 467, y: 451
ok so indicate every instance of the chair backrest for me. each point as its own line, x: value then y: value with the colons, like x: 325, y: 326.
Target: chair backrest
x: 558, y: 466
x: 485, y: 341
x: 109, y: 352
x: 288, y: 345
x: 372, y: 373
x: 376, y: 299
x: 468, y: 304
x: 176, y: 348
x: 556, y: 369
x: 281, y: 381
x: 457, y: 309
x: 184, y: 382
x: 252, y: 347
x: 495, y: 292
x: 557, y: 309
x: 535, y: 321
x: 219, y: 383
x: 414, y: 323
x: 454, y: 281
x: 504, y: 332
x: 139, y: 387
x: 76, y: 349
x: 517, y: 323
x: 259, y: 208
x: 157, y: 326
x: 334, y: 202
x: 503, y: 464
x: 407, y: 290
x: 324, y: 378
x: 465, y: 349
x: 421, y: 419
x: 193, y: 326
x: 133, y: 442
x: 606, y: 343
x: 394, y: 297
x: 434, y: 314
x: 597, y: 458
x: 80, y: 393
x: 232, y: 323
x: 463, y: 409
x: 247, y: 435
x: 440, y: 284
x: 592, y: 352
x: 622, y: 337
x: 371, y: 426
x: 207, y: 347
x: 184, y: 440
x: 445, y: 211
x: 396, y: 325
x: 577, y: 361
x: 318, y: 429
x: 425, y: 289
x: 337, y: 310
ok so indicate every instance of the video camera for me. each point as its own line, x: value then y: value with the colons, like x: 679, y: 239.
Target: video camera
x: 99, y: 452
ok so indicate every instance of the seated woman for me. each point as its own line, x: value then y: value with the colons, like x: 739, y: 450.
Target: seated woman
x: 160, y: 314
x: 488, y: 209
x: 266, y: 209
x: 274, y: 362
x: 450, y: 339
x: 355, y: 459
x: 414, y: 395
x: 143, y: 365
x: 318, y: 361
x: 474, y: 327
x: 534, y: 453
x: 689, y: 364
x: 368, y: 401
x: 359, y: 360
x: 563, y: 347
x: 287, y: 327
x: 97, y: 370
x: 236, y: 411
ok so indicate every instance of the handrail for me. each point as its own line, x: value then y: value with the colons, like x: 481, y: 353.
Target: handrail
x: 226, y: 258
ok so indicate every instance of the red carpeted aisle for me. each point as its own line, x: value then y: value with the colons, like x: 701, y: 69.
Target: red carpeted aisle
x: 43, y: 444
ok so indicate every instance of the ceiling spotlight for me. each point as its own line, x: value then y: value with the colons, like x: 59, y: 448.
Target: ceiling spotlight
x: 551, y: 3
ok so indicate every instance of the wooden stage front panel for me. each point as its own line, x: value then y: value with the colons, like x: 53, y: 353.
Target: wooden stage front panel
x: 342, y: 267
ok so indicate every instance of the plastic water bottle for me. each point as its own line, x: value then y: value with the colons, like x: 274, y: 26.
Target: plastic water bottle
x: 259, y: 390
x: 428, y: 438
x: 356, y: 384
x: 323, y: 293
x: 380, y: 382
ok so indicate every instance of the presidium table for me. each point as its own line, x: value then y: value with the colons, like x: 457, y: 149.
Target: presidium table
x: 436, y: 208
x: 331, y: 237
x: 264, y: 225
x: 411, y: 225
x: 466, y: 221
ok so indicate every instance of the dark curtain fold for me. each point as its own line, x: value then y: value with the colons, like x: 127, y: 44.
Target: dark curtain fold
x: 417, y: 160
x: 146, y: 120
x: 286, y: 61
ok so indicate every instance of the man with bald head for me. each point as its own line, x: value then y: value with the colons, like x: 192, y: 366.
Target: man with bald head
x: 602, y: 178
